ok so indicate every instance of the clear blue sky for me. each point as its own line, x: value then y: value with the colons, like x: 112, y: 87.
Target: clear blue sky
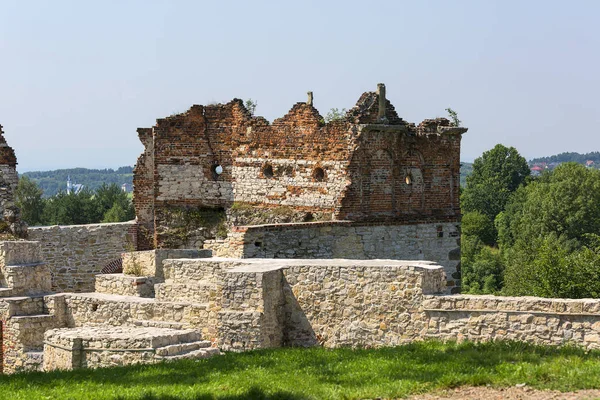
x: 78, y: 77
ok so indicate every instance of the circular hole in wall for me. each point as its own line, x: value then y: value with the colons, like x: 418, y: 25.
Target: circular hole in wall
x: 318, y: 174
x: 267, y: 171
x: 217, y: 170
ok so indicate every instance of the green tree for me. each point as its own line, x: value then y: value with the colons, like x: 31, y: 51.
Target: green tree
x: 28, y: 197
x: 552, y: 266
x: 496, y: 175
x: 109, y: 196
x: 565, y: 202
x: 116, y: 214
x: 546, y: 232
x: 485, y: 273
x: 71, y: 209
x: 479, y: 225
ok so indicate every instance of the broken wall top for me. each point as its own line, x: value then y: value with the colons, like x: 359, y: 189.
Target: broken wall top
x: 7, y: 154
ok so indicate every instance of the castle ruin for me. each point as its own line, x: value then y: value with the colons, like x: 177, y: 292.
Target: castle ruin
x: 253, y: 235
x: 366, y: 186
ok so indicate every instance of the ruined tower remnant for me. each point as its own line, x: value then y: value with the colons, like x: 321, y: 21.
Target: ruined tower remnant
x: 8, y: 185
x: 371, y: 168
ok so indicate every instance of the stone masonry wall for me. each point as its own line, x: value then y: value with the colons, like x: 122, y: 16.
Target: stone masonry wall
x: 376, y: 303
x: 76, y: 253
x: 437, y: 242
x: 353, y: 303
x: 528, y: 319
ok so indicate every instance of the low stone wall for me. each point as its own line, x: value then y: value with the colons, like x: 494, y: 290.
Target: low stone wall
x: 150, y: 262
x: 125, y: 285
x: 527, y: 319
x: 437, y: 242
x: 76, y: 253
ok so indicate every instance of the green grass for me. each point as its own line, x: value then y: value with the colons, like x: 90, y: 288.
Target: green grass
x: 322, y: 374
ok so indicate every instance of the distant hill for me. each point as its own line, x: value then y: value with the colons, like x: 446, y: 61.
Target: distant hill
x: 51, y: 182
x: 568, y: 157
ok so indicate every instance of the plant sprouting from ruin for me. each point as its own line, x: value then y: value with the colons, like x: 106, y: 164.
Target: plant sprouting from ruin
x: 453, y: 116
x: 251, y: 106
x: 335, y: 115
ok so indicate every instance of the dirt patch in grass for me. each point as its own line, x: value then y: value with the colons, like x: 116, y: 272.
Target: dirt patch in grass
x: 510, y: 393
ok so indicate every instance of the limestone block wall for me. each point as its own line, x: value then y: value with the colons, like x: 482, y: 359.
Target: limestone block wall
x: 8, y: 185
x: 528, y: 319
x: 291, y: 182
x: 125, y: 285
x: 21, y: 269
x: 437, y: 242
x: 24, y: 321
x: 252, y: 314
x: 353, y: 303
x: 150, y: 262
x: 76, y: 253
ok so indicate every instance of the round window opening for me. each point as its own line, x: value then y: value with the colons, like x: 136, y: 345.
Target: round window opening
x: 218, y: 169
x: 268, y: 171
x: 319, y: 174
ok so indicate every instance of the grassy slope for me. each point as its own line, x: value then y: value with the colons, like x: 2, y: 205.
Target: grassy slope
x: 322, y: 374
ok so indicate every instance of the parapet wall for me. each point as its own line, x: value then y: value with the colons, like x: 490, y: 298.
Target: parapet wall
x: 76, y: 253
x: 437, y: 242
x: 528, y: 319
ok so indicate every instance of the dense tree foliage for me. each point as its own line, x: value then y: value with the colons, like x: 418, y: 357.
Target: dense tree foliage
x: 547, y: 241
x: 28, y: 197
x: 552, y: 266
x: 547, y: 234
x: 107, y: 204
x: 496, y: 175
x: 565, y: 202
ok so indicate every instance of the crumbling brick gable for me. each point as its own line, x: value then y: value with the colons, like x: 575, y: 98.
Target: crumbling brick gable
x: 366, y: 111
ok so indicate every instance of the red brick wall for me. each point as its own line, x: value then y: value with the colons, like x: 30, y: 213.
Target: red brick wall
x: 365, y: 164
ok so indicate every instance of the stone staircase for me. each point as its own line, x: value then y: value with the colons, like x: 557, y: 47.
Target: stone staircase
x: 104, y: 346
x: 25, y: 283
x: 28, y: 318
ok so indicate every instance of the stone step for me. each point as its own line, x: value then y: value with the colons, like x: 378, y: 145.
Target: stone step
x: 182, y: 348
x: 195, y: 270
x: 196, y: 292
x: 125, y: 285
x: 192, y: 355
x: 6, y: 292
x: 158, y: 324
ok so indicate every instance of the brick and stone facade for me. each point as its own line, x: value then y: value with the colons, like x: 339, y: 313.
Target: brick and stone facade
x: 214, y: 168
x: 369, y: 166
